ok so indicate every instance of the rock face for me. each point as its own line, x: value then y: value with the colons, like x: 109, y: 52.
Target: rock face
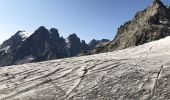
x: 84, y: 46
x: 93, y: 43
x: 148, y: 25
x: 42, y: 45
x: 16, y: 40
x: 76, y: 46
x: 10, y: 46
x: 139, y: 73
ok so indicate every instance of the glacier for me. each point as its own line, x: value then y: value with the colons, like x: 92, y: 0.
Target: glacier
x: 136, y: 73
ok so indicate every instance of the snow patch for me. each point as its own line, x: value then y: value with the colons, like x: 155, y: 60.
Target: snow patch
x: 24, y: 35
x: 6, y: 49
x: 163, y: 22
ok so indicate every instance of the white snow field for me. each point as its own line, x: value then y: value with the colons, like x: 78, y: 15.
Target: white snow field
x: 138, y: 73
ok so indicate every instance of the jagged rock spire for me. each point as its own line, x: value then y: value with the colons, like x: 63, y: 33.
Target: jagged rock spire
x: 158, y: 2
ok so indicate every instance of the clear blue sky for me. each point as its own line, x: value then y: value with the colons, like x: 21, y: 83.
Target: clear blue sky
x: 87, y: 18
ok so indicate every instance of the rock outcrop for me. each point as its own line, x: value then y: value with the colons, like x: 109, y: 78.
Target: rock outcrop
x: 9, y: 46
x: 16, y: 40
x: 96, y: 43
x: 84, y: 46
x: 75, y: 45
x: 148, y: 25
x: 139, y: 73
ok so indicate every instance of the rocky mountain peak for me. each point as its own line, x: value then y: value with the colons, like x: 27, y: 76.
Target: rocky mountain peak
x: 22, y: 34
x: 73, y: 40
x: 72, y: 37
x: 84, y: 45
x: 157, y: 2
x: 18, y: 32
x: 15, y: 40
x: 40, y: 34
x: 54, y: 33
x: 156, y: 13
x: 41, y: 30
x: 151, y: 15
x: 158, y: 7
x: 147, y: 25
x: 74, y: 44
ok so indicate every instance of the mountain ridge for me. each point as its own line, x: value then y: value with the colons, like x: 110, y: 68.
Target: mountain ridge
x: 42, y: 45
x: 147, y: 25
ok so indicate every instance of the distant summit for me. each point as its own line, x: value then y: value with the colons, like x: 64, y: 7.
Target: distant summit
x: 17, y: 39
x: 153, y: 23
x: 94, y: 43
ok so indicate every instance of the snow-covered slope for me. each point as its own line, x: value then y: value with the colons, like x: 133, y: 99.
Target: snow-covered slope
x: 139, y: 73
